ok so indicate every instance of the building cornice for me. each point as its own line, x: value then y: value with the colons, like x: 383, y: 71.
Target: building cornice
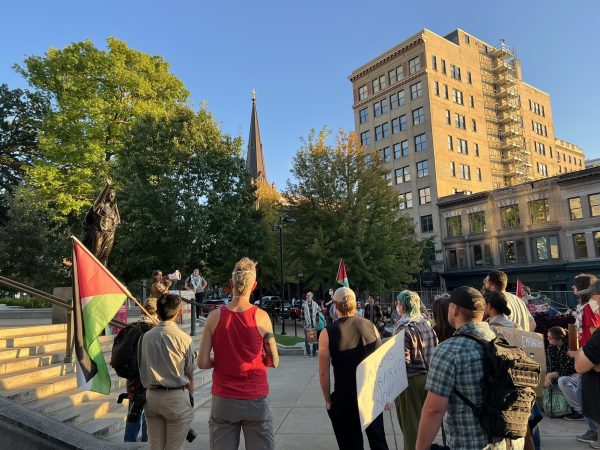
x: 388, y: 56
x: 457, y: 199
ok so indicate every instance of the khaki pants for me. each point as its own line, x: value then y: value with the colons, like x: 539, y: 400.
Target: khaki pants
x: 168, y: 415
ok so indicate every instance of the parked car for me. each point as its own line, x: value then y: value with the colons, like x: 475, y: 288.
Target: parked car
x: 296, y: 311
x: 272, y: 304
x: 211, y: 304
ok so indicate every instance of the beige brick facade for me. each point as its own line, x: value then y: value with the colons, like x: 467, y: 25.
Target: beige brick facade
x: 451, y: 114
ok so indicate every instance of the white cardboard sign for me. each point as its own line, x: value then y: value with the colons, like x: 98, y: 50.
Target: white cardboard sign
x: 380, y: 378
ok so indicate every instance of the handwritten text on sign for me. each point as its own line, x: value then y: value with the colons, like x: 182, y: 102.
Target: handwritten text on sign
x: 380, y: 378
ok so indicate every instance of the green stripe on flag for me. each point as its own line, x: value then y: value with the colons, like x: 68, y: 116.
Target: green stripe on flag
x: 97, y: 313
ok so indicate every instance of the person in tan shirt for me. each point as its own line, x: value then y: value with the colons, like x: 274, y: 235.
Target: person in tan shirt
x: 167, y: 364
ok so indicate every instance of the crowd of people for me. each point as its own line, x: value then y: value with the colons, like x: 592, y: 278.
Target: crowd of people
x: 444, y: 364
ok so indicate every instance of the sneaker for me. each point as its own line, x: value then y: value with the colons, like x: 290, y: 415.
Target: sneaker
x: 589, y: 436
x: 595, y: 444
x: 573, y: 416
x: 306, y: 355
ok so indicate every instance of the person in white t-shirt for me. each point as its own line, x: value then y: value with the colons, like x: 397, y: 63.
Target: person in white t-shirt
x: 520, y: 315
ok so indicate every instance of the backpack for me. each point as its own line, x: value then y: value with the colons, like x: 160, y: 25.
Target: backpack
x: 124, y: 355
x: 555, y: 403
x: 321, y: 323
x: 508, y: 383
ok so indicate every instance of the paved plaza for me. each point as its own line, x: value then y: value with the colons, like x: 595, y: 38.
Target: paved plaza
x: 301, y: 423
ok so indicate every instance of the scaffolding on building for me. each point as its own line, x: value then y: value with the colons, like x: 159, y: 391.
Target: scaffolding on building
x: 509, y: 153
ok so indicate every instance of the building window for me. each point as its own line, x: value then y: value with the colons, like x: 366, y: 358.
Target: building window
x: 476, y: 147
x: 465, y: 171
x: 471, y: 101
x: 575, y: 209
x: 453, y: 172
x: 463, y: 146
x: 416, y: 90
x: 455, y: 72
x: 396, y: 74
x: 448, y: 117
x: 402, y: 174
x: 380, y: 107
x: 367, y: 160
x: 414, y: 65
x: 596, y: 241
x: 418, y: 116
x: 382, y: 131
x: 539, y: 211
x: 443, y: 66
x: 427, y: 224
x: 544, y: 248
x: 454, y: 226
x: 363, y: 114
x: 403, y: 122
x: 397, y: 99
x: 401, y: 149
x: 436, y: 88
x: 482, y: 255
x: 420, y: 142
x: 459, y: 121
x: 456, y: 258
x: 450, y: 143
x: 469, y: 79
x: 395, y: 125
x: 433, y: 62
x: 580, y: 245
x: 478, y: 174
x: 378, y: 84
x: 386, y: 155
x: 446, y: 91
x: 406, y: 200
x: 365, y: 138
x: 542, y: 169
x: 513, y: 251
x: 388, y: 178
x: 474, y: 125
x: 509, y: 216
x: 422, y: 168
x: 477, y: 222
x: 424, y: 196
x: 362, y: 92
x: 594, y: 200
x: 457, y: 96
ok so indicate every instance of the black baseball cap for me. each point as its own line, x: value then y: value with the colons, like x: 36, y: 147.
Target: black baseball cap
x: 466, y: 297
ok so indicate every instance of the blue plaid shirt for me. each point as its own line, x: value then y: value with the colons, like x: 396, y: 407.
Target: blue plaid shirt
x: 458, y: 363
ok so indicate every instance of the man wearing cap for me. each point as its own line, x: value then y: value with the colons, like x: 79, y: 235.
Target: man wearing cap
x: 344, y: 344
x: 457, y: 364
x: 520, y: 315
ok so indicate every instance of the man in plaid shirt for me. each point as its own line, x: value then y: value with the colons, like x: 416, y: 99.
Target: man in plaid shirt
x: 457, y: 363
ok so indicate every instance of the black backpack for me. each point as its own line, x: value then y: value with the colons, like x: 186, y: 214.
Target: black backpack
x: 508, y: 383
x: 124, y: 353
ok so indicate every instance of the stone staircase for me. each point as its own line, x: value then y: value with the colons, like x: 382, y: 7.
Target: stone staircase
x: 33, y: 374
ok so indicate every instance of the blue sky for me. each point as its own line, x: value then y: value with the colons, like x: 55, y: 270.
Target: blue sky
x: 298, y: 55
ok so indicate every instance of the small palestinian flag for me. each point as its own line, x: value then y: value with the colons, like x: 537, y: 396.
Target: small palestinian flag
x: 342, y: 278
x: 98, y: 295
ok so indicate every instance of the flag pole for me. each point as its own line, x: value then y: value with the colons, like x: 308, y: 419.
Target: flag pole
x: 129, y: 294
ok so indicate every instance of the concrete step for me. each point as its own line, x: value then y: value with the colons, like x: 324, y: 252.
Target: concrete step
x: 41, y: 389
x: 33, y: 339
x: 91, y: 410
x: 31, y: 362
x: 72, y: 398
x: 108, y: 425
x: 32, y: 376
x: 11, y: 332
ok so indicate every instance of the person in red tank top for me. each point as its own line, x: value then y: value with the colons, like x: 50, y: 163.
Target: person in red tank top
x: 241, y: 338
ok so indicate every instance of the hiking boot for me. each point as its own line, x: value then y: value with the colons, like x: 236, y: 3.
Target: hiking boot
x: 573, y: 416
x: 589, y: 436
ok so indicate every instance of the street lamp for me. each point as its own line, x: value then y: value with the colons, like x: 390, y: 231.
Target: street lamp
x: 279, y: 226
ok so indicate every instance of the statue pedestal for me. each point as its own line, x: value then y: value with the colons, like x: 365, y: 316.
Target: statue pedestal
x: 59, y: 314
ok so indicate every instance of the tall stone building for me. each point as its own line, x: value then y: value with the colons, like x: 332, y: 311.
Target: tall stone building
x: 451, y: 114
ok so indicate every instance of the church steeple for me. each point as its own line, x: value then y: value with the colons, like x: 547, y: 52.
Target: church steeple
x: 254, y: 158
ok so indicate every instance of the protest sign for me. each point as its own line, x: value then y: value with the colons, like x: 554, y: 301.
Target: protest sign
x: 380, y: 378
x: 533, y: 344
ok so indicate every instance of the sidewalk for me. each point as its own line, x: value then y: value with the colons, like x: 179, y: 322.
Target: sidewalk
x: 301, y: 423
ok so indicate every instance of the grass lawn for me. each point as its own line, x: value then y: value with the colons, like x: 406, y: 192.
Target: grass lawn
x: 288, y: 340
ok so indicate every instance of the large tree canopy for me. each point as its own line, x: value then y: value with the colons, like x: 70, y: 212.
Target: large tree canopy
x: 97, y: 97
x: 344, y: 208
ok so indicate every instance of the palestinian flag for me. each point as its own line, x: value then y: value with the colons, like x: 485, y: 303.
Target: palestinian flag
x: 342, y: 278
x: 520, y: 292
x: 98, y: 295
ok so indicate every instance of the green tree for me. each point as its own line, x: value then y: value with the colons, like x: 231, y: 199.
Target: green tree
x: 344, y: 208
x: 21, y: 113
x: 187, y: 199
x: 97, y: 97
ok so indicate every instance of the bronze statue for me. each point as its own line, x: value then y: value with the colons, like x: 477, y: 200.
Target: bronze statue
x: 100, y: 224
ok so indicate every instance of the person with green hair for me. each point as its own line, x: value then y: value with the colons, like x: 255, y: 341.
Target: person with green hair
x: 419, y: 343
